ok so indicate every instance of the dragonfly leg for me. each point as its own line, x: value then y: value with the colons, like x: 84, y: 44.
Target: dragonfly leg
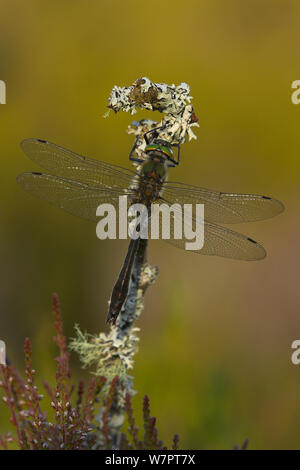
x: 131, y: 155
x: 175, y: 162
x: 178, y: 152
x: 147, y: 139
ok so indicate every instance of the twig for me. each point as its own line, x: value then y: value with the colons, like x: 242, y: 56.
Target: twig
x: 112, y: 353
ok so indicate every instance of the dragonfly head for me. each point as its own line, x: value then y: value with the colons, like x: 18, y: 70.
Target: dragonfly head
x: 162, y: 148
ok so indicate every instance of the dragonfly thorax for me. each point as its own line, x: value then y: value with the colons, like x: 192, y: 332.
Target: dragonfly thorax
x: 156, y: 167
x: 153, y: 173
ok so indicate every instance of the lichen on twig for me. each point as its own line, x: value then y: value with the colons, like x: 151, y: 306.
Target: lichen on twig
x: 174, y: 102
x: 112, y: 354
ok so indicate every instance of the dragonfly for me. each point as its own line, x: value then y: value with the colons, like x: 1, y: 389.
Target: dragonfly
x: 78, y: 185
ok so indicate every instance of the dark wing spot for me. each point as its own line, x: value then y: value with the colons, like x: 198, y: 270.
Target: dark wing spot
x: 42, y: 141
x: 266, y: 197
x: 253, y: 241
x: 36, y: 173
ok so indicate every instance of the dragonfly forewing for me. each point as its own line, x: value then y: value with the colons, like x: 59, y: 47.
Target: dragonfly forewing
x: 224, y: 208
x: 74, y: 197
x: 75, y: 167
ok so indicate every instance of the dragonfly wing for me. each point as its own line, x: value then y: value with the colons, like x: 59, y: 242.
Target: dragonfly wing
x: 71, y: 165
x: 218, y: 241
x: 224, y: 208
x: 79, y: 199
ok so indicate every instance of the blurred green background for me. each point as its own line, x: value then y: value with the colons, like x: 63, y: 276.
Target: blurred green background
x: 216, y: 334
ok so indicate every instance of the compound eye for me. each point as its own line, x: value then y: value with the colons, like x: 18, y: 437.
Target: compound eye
x: 167, y: 151
x: 151, y: 147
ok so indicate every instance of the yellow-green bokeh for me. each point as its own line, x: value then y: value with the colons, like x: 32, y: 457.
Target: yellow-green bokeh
x: 216, y: 334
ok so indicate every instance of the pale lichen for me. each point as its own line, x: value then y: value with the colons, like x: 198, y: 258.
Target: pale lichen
x: 173, y: 101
